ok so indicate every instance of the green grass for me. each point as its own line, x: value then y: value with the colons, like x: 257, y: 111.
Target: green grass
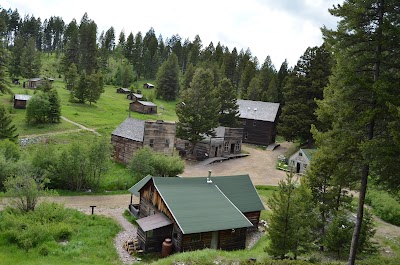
x: 90, y: 240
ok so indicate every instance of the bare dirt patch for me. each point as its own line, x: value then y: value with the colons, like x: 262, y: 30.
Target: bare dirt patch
x: 260, y: 165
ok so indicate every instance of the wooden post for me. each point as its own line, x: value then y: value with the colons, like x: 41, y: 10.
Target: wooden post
x: 92, y: 209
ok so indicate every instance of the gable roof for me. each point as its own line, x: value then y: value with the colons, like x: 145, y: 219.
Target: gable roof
x: 147, y: 103
x: 137, y: 95
x: 22, y: 97
x: 198, y: 206
x: 258, y: 110
x: 131, y: 128
x: 124, y: 89
x: 35, y: 79
x: 309, y: 153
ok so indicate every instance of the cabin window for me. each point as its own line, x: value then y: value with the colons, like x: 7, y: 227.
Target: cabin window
x: 246, y: 135
x: 300, y: 154
x: 151, y: 143
x: 237, y: 146
x: 254, y: 123
x: 166, y: 142
x: 226, y: 146
x: 150, y: 233
x: 195, y: 237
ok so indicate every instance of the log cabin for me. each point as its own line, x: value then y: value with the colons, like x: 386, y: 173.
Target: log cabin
x: 259, y: 120
x: 195, y: 212
x: 122, y: 90
x: 35, y: 82
x: 134, y: 96
x: 145, y: 107
x: 226, y: 141
x: 133, y: 134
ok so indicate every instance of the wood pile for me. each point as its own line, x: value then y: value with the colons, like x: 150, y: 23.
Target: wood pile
x: 132, y: 246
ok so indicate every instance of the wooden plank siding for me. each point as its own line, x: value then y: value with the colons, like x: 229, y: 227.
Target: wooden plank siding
x: 188, y: 244
x: 258, y: 132
x: 152, y: 240
x: 160, y: 136
x: 124, y: 148
x: 254, y: 218
x: 232, y: 239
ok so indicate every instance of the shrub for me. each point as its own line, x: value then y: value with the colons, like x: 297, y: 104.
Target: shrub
x: 384, y: 206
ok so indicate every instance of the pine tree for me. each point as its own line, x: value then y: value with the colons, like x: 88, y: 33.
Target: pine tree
x: 363, y: 86
x: 254, y: 90
x: 198, y: 111
x: 168, y: 79
x: 229, y: 110
x: 187, y: 78
x: 54, y: 107
x: 3, y: 83
x: 7, y: 129
x: 71, y: 77
x: 303, y: 86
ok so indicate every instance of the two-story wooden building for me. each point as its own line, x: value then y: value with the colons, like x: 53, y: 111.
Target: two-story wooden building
x: 196, y: 213
x: 226, y: 141
x: 133, y: 134
x: 259, y: 120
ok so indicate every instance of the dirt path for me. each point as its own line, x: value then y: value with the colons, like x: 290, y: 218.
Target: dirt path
x: 80, y: 126
x: 260, y: 165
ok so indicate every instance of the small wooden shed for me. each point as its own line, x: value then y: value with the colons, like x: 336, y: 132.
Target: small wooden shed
x: 145, y: 107
x: 299, y: 161
x: 134, y: 96
x: 21, y: 100
x: 148, y: 85
x: 122, y: 90
x: 196, y: 213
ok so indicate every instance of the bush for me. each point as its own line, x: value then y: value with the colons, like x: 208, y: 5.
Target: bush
x: 384, y: 206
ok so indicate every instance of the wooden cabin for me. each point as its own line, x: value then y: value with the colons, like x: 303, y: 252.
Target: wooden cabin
x: 134, y: 96
x: 145, y: 107
x: 148, y: 85
x: 227, y: 141
x: 259, y: 120
x: 122, y: 90
x: 299, y: 161
x: 196, y: 213
x: 133, y: 134
x: 20, y: 101
x: 35, y: 82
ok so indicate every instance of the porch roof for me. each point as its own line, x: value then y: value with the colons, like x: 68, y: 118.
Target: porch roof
x: 153, y: 222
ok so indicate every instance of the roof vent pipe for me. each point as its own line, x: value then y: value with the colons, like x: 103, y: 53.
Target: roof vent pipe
x: 209, y: 177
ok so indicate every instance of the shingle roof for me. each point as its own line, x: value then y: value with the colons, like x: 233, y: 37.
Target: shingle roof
x: 125, y: 89
x: 258, y: 110
x: 131, y: 129
x: 22, y: 97
x: 198, y: 206
x: 147, y: 103
x: 138, y: 95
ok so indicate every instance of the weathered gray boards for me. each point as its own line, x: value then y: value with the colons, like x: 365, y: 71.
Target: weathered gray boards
x: 133, y: 134
x: 144, y: 107
x: 21, y: 100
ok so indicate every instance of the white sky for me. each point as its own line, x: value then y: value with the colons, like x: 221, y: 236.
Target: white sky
x: 282, y: 29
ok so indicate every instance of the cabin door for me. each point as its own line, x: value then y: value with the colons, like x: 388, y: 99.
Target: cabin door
x: 298, y: 168
x: 214, y: 240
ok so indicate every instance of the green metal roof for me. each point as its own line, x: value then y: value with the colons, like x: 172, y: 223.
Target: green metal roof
x: 309, y: 153
x: 198, y: 206
x: 136, y: 188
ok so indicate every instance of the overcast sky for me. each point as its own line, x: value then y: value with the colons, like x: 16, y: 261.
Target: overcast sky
x: 282, y: 29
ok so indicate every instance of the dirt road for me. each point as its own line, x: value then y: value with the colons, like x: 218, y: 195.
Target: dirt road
x: 260, y: 165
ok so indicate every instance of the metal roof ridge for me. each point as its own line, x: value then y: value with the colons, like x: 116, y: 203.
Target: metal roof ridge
x: 258, y: 195
x: 169, y: 208
x: 234, y: 205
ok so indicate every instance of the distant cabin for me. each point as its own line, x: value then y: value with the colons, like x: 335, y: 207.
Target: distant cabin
x: 300, y: 161
x: 195, y: 212
x: 133, y: 134
x: 35, y: 82
x: 259, y: 120
x: 145, y: 107
x: 20, y: 101
x: 134, y: 96
x: 148, y: 85
x: 122, y: 90
x: 226, y: 141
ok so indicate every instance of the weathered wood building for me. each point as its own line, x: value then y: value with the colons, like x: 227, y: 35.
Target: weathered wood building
x: 35, y: 82
x: 21, y: 100
x: 144, y: 107
x: 148, y: 85
x: 196, y: 213
x: 133, y: 134
x: 299, y: 161
x: 259, y: 120
x: 123, y: 90
x: 226, y: 141
x: 134, y: 96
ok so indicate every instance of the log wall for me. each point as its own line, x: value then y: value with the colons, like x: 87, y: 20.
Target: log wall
x: 124, y: 148
x: 260, y: 133
x: 161, y: 135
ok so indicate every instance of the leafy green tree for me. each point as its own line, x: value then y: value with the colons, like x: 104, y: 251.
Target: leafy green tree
x: 198, y: 111
x: 10, y: 150
x: 362, y: 88
x: 338, y: 235
x: 7, y: 129
x: 229, y: 109
x: 305, y: 84
x: 71, y: 77
x: 168, y: 79
x: 147, y: 162
x: 38, y: 108
x: 98, y: 157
